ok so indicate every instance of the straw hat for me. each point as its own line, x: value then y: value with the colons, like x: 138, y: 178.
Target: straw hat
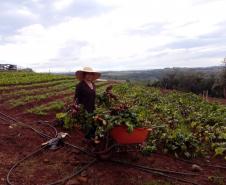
x: 80, y: 73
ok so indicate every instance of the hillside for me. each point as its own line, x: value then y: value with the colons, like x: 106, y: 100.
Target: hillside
x: 152, y: 74
x: 156, y: 74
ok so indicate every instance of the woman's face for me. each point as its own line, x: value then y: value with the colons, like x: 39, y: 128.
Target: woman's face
x: 88, y: 76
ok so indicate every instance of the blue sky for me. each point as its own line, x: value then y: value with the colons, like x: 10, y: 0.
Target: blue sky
x: 66, y: 35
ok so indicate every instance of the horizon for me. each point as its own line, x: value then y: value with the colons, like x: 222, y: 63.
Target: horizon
x: 220, y: 66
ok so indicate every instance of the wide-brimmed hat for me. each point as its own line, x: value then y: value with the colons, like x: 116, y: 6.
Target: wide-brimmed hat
x: 80, y: 73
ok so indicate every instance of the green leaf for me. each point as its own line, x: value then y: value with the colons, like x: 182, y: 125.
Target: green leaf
x: 60, y: 116
x: 219, y: 151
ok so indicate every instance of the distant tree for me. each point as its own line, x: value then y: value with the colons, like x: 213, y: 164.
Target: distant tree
x: 223, y: 77
x: 190, y: 81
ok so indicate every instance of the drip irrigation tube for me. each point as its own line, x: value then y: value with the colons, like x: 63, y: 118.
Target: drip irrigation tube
x: 20, y: 161
x: 159, y: 172
x: 76, y: 172
x: 11, y: 119
x: 155, y: 171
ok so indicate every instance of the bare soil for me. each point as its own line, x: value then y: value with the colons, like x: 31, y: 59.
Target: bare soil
x: 17, y: 142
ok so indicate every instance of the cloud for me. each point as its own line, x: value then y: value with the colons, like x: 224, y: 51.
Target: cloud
x: 196, y: 43
x: 114, y: 34
x: 149, y: 29
x: 15, y: 15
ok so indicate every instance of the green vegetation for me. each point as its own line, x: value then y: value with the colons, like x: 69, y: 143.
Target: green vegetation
x: 184, y: 125
x: 101, y: 84
x: 28, y: 99
x: 43, y: 109
x: 39, y: 91
x: 55, y: 106
x: 15, y: 78
x: 191, y: 126
x: 35, y: 85
x: 45, y: 86
x: 197, y: 80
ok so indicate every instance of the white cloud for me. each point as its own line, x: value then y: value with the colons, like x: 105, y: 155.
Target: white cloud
x: 61, y: 4
x: 133, y: 35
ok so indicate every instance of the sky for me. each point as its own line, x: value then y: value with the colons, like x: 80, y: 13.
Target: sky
x: 66, y: 35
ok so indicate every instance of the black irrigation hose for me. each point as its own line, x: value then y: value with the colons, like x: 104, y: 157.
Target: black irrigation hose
x: 4, y: 120
x: 207, y: 165
x: 45, y: 135
x: 58, y: 181
x: 76, y: 172
x: 214, y: 166
x: 154, y: 169
x: 158, y: 172
x: 47, y: 124
x: 80, y: 149
x: 10, y: 119
x: 170, y: 177
x: 20, y: 161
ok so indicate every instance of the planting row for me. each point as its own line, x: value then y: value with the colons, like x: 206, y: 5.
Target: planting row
x: 5, y: 89
x: 37, y: 98
x: 15, y: 78
x: 42, y: 90
x: 183, y: 123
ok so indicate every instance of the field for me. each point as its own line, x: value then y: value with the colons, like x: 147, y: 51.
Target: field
x: 187, y: 131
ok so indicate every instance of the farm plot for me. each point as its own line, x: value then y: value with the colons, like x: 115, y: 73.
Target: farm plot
x: 185, y: 126
x: 37, y: 94
x: 21, y: 78
x: 190, y: 126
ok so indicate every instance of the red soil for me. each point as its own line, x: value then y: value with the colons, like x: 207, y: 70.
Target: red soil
x: 16, y: 142
x: 217, y: 100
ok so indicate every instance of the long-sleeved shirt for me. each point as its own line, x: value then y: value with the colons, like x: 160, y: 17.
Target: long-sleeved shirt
x: 85, y: 96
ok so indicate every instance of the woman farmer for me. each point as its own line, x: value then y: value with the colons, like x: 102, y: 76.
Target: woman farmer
x: 85, y: 92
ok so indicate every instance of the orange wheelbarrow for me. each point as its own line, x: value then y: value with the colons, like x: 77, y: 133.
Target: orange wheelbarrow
x: 118, y: 139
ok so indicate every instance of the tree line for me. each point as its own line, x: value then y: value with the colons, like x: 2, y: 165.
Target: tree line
x: 193, y: 81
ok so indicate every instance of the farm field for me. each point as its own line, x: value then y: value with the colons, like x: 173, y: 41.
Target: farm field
x: 187, y: 131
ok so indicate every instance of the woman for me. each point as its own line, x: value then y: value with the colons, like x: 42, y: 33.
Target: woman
x: 85, y: 92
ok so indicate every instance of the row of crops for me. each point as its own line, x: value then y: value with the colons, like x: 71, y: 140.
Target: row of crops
x: 38, y: 94
x: 16, y: 78
x: 184, y: 124
x: 190, y: 126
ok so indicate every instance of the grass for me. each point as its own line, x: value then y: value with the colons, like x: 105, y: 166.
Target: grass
x: 15, y: 78
x: 42, y: 90
x: 44, y: 109
x: 28, y: 99
x: 36, y: 85
x: 51, y: 106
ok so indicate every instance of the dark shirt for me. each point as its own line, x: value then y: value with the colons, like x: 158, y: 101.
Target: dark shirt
x: 85, y: 96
